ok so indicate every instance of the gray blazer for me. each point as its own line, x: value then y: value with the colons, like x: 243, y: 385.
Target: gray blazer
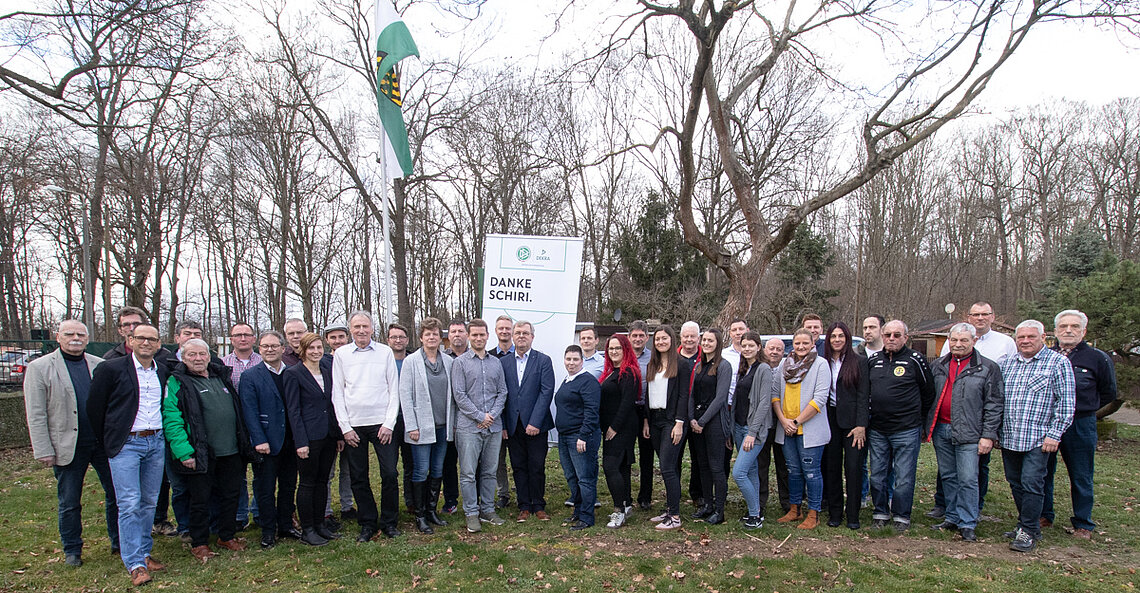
x: 415, y: 399
x: 816, y: 387
x: 760, y: 404
x: 51, y: 407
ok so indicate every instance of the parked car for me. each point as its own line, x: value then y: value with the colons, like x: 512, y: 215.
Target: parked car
x: 14, y: 363
x: 787, y: 338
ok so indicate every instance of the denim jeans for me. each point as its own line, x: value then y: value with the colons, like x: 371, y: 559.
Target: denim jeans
x: 137, y: 472
x: 427, y: 460
x: 983, y: 484
x: 804, y: 471
x: 898, y: 453
x: 179, y: 497
x: 69, y: 491
x: 1025, y: 472
x: 581, y: 471
x: 746, y: 471
x: 1078, y: 449
x: 478, y: 453
x: 958, y: 466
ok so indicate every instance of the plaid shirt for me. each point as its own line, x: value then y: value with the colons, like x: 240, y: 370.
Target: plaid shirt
x: 239, y: 366
x: 1040, y: 397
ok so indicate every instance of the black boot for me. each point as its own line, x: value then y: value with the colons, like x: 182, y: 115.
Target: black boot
x: 310, y: 537
x: 325, y: 531
x: 419, y: 494
x: 431, y: 502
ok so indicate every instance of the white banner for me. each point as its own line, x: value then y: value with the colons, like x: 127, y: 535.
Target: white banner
x: 535, y: 279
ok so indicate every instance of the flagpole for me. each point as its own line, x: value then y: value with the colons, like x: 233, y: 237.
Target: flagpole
x: 387, y: 234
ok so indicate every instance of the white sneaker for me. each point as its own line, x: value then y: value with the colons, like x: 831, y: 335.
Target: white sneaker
x: 673, y: 522
x: 617, y: 519
x: 628, y: 511
x: 660, y: 518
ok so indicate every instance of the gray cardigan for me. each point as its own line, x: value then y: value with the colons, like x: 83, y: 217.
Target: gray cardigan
x: 415, y: 399
x: 816, y: 388
x: 760, y: 404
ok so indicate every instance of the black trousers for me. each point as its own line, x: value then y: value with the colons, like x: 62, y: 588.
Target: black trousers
x: 710, y: 454
x: 842, y: 460
x: 386, y: 454
x: 406, y: 463
x: 313, y: 490
x: 222, y: 483
x: 451, y: 475
x: 645, y: 454
x: 669, y: 455
x: 617, y: 464
x: 696, y: 489
x: 763, y: 462
x: 274, y: 485
x: 528, y: 459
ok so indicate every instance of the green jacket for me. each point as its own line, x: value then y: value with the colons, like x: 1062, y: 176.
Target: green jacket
x: 184, y: 425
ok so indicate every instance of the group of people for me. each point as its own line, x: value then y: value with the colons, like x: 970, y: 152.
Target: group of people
x: 180, y: 427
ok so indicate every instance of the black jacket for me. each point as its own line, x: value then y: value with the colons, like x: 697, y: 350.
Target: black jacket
x: 1095, y: 377
x: 189, y: 405
x: 308, y: 407
x: 113, y: 402
x: 977, y: 399
x: 853, y: 403
x: 677, y: 401
x: 902, y: 390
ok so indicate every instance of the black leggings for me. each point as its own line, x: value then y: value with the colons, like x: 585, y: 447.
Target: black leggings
x: 840, y: 458
x: 710, y: 452
x: 617, y: 459
x: 313, y: 482
x: 660, y: 429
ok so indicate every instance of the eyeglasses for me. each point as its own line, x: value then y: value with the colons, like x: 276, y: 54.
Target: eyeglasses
x: 271, y: 346
x: 146, y: 339
x: 893, y: 334
x: 130, y: 324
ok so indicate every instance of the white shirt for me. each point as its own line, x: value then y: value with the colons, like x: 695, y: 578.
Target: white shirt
x: 594, y: 364
x: 149, y: 416
x: 993, y: 344
x: 280, y: 368
x: 732, y: 355
x: 658, y: 390
x: 835, y: 365
x: 520, y: 363
x: 366, y: 386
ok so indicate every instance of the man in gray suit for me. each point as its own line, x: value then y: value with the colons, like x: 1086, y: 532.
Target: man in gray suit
x: 56, y: 387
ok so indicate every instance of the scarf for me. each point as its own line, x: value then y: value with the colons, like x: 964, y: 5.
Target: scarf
x: 794, y: 370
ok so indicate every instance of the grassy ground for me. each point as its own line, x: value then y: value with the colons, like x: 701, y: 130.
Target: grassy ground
x: 542, y: 556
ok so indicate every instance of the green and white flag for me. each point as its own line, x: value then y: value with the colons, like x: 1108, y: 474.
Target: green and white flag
x: 393, y: 43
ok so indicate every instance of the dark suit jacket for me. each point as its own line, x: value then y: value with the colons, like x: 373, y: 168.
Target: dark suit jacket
x: 263, y: 408
x: 114, y: 401
x: 310, y: 408
x: 529, y: 401
x: 853, y: 404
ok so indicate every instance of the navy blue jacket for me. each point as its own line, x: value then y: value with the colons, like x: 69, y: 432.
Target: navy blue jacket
x: 577, y: 402
x: 528, y: 402
x: 263, y: 408
x: 310, y: 408
x: 113, y: 401
x: 1095, y: 376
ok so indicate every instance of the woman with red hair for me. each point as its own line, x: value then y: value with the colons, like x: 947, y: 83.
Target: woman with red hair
x: 621, y: 384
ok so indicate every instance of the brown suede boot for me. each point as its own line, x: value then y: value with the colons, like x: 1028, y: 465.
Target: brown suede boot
x: 812, y: 520
x: 793, y: 515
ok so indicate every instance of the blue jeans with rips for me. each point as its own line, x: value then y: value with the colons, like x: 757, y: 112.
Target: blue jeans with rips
x: 804, y: 471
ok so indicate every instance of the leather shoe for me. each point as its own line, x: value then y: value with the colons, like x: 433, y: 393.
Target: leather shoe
x: 831, y: 522
x: 523, y: 516
x: 968, y: 534
x: 702, y: 512
x: 390, y: 531
x: 1082, y: 533
x: 1044, y: 522
x: 153, y: 565
x: 326, y: 532
x: 366, y: 535
x: 310, y: 537
x: 541, y: 516
x: 714, y: 519
x: 202, y: 553
x: 853, y: 525
x: 268, y: 540
x: 580, y: 526
x: 291, y: 533
x: 73, y: 560
x: 140, y: 576
x: 945, y: 526
x: 233, y: 545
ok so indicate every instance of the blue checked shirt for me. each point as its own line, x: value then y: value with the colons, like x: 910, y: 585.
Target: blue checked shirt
x: 1040, y: 397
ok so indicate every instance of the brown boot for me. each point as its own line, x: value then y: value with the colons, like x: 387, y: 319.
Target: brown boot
x: 812, y: 520
x: 793, y: 515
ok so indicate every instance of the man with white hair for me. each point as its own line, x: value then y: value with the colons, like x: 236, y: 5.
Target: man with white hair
x: 963, y: 424
x: 366, y: 396
x: 204, y: 428
x: 56, y: 389
x: 1039, y: 400
x: 1095, y: 380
